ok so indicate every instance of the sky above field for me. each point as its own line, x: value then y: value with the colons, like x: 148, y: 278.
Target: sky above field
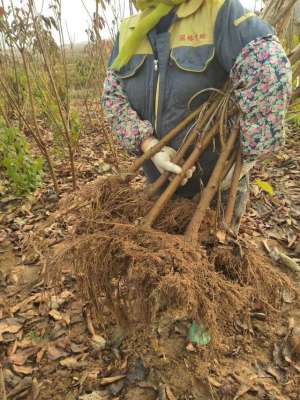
x: 76, y: 15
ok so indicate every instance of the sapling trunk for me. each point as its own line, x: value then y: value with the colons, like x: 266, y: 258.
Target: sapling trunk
x: 294, y: 55
x: 278, y: 13
x: 153, y: 188
x: 36, y: 134
x: 4, y: 115
x: 61, y: 110
x: 108, y: 138
x: 211, y: 188
x: 200, y: 146
x: 165, y: 140
x: 233, y: 190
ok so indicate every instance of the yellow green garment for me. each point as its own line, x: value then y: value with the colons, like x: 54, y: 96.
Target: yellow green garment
x: 154, y: 11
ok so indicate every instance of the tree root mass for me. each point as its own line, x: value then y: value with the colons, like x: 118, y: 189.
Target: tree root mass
x: 139, y: 274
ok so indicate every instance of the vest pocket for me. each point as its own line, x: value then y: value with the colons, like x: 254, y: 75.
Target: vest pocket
x: 132, y: 67
x: 194, y: 69
x: 193, y: 59
x: 137, y: 81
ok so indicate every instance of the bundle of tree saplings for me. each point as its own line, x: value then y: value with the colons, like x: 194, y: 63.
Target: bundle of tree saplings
x: 139, y: 258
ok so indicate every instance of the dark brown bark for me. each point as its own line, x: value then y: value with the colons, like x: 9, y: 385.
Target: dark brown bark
x: 211, y: 188
x: 179, y: 158
x: 233, y: 190
x: 174, y: 185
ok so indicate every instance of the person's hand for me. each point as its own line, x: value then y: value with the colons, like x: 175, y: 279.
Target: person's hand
x: 163, y: 159
x: 246, y: 167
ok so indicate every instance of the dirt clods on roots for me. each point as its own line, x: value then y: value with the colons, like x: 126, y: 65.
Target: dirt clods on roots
x: 139, y: 273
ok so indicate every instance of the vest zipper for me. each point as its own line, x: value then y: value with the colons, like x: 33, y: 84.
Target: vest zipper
x: 156, y: 71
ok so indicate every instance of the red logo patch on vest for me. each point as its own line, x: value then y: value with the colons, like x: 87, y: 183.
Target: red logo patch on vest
x: 195, y: 37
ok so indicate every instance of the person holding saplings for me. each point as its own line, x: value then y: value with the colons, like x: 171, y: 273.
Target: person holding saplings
x: 164, y: 61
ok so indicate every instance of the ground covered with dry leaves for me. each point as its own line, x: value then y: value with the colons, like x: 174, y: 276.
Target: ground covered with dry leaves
x: 54, y: 345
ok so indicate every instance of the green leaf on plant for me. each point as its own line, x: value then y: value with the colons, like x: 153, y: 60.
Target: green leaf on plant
x: 23, y: 170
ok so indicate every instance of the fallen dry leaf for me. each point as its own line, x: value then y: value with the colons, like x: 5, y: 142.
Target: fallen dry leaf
x: 243, y: 390
x: 275, y: 373
x: 55, y: 353
x: 21, y: 357
x: 24, y: 303
x: 94, y: 396
x: 25, y: 383
x: 191, y: 348
x: 170, y: 394
x: 73, y: 363
x: 9, y: 325
x: 265, y: 186
x: 78, y: 348
x: 271, y: 389
x: 29, y: 313
x: 98, y: 342
x: 43, y: 309
x: 10, y: 378
x: 67, y: 318
x: 292, y: 238
x: 221, y: 236
x: 62, y: 342
x: 24, y: 344
x: 59, y: 316
x: 289, y: 262
x: 111, y: 379
x: 35, y: 389
x: 288, y: 296
x: 24, y: 370
x: 69, y: 362
x: 58, y: 300
x: 56, y: 315
x: 40, y: 355
x: 277, y: 355
x: 71, y: 396
x: 214, y: 382
x: 12, y: 349
x: 294, y: 342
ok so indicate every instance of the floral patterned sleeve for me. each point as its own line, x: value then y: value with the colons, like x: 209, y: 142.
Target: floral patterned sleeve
x: 261, y: 79
x: 130, y: 130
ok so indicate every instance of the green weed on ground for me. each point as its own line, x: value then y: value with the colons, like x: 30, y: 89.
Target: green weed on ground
x: 23, y: 171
